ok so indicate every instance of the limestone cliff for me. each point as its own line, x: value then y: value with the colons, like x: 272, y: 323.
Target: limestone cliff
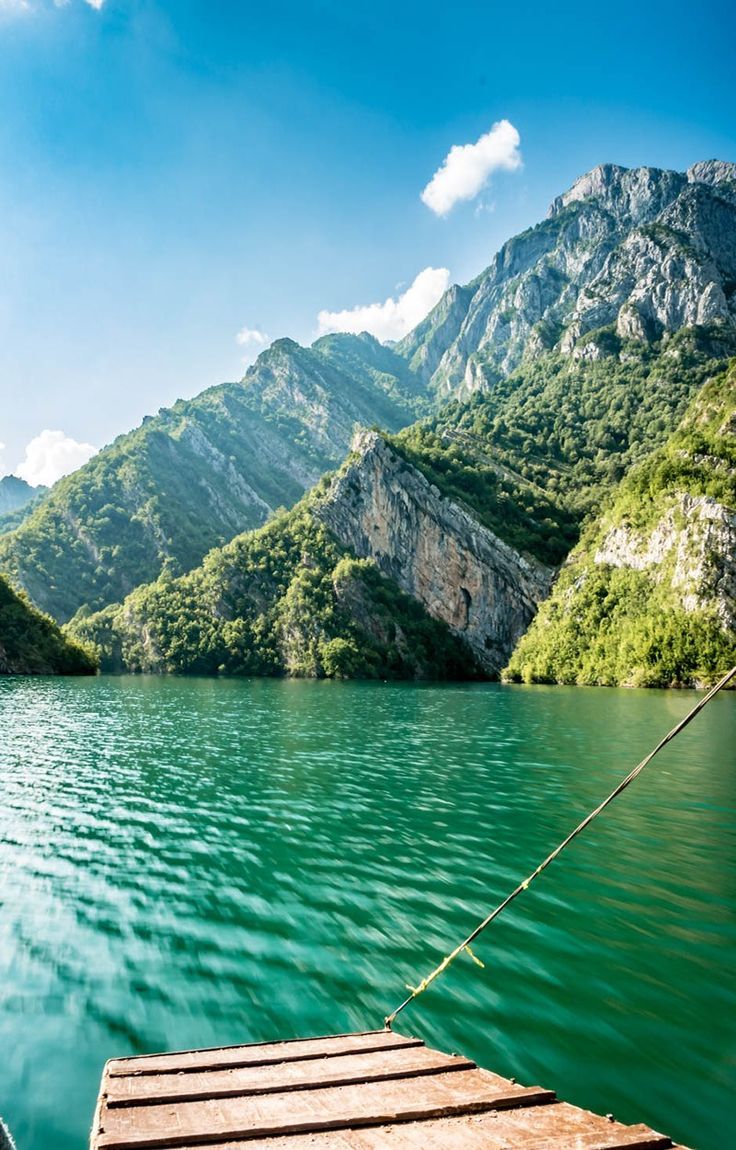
x: 692, y: 546
x: 382, y: 508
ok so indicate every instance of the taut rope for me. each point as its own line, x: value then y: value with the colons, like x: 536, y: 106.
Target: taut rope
x: 465, y: 945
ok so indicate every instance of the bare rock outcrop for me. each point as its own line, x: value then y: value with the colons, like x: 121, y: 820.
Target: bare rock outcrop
x: 644, y: 250
x: 692, y: 547
x: 384, y: 509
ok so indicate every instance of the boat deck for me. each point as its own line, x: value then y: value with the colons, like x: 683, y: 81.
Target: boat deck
x: 367, y: 1090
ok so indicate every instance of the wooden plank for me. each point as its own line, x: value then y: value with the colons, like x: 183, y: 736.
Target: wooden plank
x: 302, y: 1111
x: 259, y: 1054
x: 313, y: 1073
x: 567, y: 1125
x: 557, y: 1126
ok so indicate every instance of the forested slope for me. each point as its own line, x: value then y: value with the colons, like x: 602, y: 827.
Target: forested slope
x: 535, y: 455
x: 204, y: 470
x: 648, y: 598
x: 32, y: 644
x: 285, y: 599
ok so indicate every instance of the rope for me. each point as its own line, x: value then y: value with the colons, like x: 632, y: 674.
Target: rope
x: 465, y: 944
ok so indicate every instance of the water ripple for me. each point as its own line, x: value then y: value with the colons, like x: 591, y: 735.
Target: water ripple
x: 194, y: 862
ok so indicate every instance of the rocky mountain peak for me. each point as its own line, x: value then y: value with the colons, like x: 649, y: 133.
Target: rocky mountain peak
x: 716, y: 172
x: 645, y: 251
x: 632, y: 195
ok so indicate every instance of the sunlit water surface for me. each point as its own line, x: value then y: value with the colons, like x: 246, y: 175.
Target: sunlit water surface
x: 196, y: 862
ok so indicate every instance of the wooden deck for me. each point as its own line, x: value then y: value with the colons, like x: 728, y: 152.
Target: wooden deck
x: 369, y: 1090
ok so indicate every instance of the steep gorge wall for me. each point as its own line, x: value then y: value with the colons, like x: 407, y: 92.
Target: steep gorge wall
x: 384, y: 509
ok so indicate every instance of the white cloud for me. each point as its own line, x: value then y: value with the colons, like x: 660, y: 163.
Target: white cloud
x: 51, y: 455
x: 394, y: 317
x: 251, y: 337
x: 253, y: 340
x: 15, y: 6
x: 467, y: 168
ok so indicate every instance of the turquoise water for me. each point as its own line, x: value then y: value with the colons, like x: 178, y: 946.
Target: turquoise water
x: 195, y: 862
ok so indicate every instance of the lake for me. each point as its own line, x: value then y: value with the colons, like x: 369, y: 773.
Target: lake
x: 192, y: 862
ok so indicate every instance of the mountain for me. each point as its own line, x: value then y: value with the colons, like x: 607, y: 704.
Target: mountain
x: 288, y: 598
x: 10, y: 520
x: 648, y: 598
x: 566, y: 361
x: 452, y: 524
x: 15, y: 494
x: 548, y: 441
x: 643, y: 251
x: 204, y: 470
x: 435, y: 549
x: 32, y: 644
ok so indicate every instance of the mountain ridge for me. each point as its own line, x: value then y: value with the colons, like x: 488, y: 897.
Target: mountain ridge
x: 15, y: 493
x: 588, y: 264
x: 517, y: 338
x: 198, y: 473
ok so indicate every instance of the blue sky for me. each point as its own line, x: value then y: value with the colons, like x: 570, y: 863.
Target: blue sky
x: 174, y: 172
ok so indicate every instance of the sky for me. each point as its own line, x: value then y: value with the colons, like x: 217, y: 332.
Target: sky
x: 183, y: 181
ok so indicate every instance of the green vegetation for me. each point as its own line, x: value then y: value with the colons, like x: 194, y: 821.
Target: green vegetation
x: 285, y: 599
x: 17, y: 499
x: 32, y: 644
x: 470, y: 471
x: 16, y: 493
x: 574, y: 427
x: 533, y: 456
x: 654, y: 619
x: 195, y: 475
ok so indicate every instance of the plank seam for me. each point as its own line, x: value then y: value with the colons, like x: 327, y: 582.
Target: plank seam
x: 409, y: 1044
x: 234, y: 1092
x: 318, y: 1126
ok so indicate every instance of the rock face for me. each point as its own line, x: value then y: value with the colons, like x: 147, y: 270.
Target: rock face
x: 693, y: 547
x: 382, y: 508
x: 646, y: 251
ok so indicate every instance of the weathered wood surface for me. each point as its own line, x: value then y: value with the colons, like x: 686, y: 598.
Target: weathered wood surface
x: 365, y: 1091
x: 260, y: 1053
x: 562, y: 1127
x: 274, y: 1079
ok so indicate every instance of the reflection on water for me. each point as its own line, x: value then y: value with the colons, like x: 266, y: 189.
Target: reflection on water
x: 196, y: 862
